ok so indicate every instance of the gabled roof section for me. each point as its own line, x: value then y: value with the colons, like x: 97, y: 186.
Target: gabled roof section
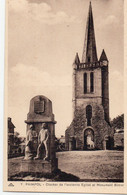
x: 10, y: 124
x: 103, y: 56
x: 89, y: 51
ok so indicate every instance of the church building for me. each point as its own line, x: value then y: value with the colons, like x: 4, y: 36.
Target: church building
x: 90, y: 128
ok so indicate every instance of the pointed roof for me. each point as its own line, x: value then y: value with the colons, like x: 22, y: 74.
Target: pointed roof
x: 103, y: 56
x: 89, y: 51
x: 77, y: 60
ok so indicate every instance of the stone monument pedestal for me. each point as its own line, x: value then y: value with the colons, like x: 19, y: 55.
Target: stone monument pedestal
x: 39, y: 166
x: 40, y: 138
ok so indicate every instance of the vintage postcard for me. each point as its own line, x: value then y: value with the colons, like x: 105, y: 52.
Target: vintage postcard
x: 64, y: 96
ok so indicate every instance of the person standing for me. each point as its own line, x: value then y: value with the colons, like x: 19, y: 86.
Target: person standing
x: 42, y: 141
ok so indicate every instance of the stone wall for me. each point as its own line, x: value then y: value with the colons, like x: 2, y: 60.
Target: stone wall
x: 99, y: 100
x: 99, y: 126
x: 105, y: 92
x: 69, y: 133
x: 79, y: 83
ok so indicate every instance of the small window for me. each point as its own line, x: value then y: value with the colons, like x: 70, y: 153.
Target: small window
x: 91, y: 82
x: 85, y: 82
x: 88, y: 59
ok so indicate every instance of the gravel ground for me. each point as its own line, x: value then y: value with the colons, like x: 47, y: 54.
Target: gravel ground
x: 92, y: 164
x: 86, y: 165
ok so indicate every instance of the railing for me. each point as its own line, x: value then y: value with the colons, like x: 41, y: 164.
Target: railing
x: 88, y: 65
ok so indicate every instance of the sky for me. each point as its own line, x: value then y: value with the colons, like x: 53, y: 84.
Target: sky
x: 43, y: 38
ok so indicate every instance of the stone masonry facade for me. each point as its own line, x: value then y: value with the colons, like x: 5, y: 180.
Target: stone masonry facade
x: 90, y: 127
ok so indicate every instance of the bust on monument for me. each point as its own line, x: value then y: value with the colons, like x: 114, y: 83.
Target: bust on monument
x: 43, y: 142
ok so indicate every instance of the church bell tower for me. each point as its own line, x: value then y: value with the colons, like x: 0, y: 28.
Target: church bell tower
x: 90, y: 96
x: 90, y: 76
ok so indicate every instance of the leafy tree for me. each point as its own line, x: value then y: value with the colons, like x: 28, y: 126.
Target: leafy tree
x: 118, y: 122
x: 17, y: 139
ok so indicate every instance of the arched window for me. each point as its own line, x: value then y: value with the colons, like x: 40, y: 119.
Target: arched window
x: 91, y: 82
x: 88, y: 114
x: 85, y: 82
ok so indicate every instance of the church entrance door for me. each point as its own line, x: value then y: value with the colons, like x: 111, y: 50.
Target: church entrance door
x: 88, y: 139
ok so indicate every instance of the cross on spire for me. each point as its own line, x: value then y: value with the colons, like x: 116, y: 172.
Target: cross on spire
x: 89, y: 51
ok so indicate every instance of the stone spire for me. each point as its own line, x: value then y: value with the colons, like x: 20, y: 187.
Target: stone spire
x: 77, y: 60
x: 103, y: 56
x: 89, y: 51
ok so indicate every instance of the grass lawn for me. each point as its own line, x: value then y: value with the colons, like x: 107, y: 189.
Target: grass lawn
x: 86, y: 165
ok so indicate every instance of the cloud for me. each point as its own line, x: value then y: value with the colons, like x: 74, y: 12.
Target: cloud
x: 28, y: 76
x: 41, y: 12
x: 110, y: 21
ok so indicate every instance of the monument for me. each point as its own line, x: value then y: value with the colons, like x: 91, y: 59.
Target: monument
x: 40, y: 153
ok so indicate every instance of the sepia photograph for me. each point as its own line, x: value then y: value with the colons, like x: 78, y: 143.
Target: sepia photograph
x: 64, y: 108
